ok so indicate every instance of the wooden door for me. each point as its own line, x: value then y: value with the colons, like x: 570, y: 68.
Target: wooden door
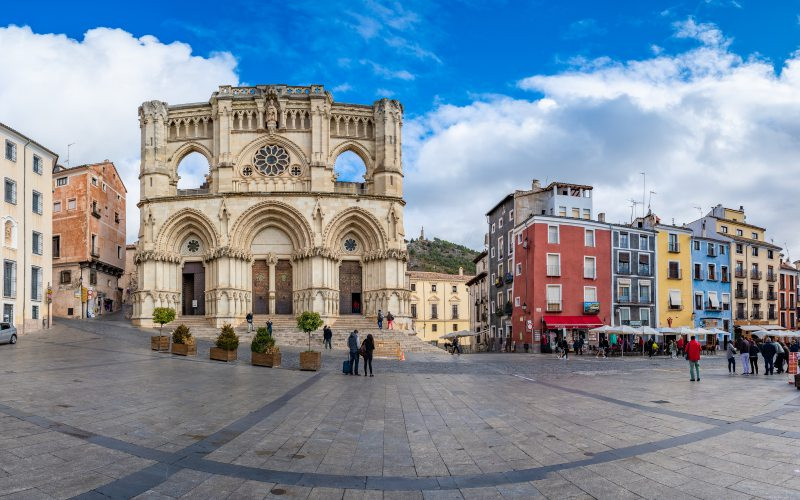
x: 350, y: 287
x: 260, y: 287
x: 194, y: 288
x: 283, y: 287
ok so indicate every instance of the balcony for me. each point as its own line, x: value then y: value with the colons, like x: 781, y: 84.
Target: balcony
x: 771, y: 277
x: 741, y: 314
x: 674, y: 247
x: 644, y: 299
x: 772, y: 296
x: 357, y: 188
x: 741, y: 294
x: 554, y: 270
x: 757, y: 294
x: 498, y: 282
x: 509, y: 278
x: 644, y: 270
x: 739, y: 273
x: 623, y: 269
x: 757, y: 315
x: 710, y: 307
x: 772, y: 316
x: 626, y: 299
x: 553, y: 306
x: 755, y: 274
x: 674, y: 274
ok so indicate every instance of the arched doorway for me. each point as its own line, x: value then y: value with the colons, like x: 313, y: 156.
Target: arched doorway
x: 283, y: 287
x: 350, y: 287
x: 193, y: 289
x: 260, y: 287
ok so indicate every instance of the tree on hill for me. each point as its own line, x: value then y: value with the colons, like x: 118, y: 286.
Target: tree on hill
x: 440, y: 256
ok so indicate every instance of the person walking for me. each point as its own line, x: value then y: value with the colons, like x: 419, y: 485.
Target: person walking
x: 327, y: 336
x: 754, y: 350
x: 456, y: 347
x: 680, y: 345
x: 673, y: 351
x: 249, y: 319
x: 367, y: 347
x: 768, y: 351
x: 269, y: 326
x: 744, y: 350
x: 731, y: 350
x: 389, y: 320
x: 565, y: 347
x: 781, y: 354
x: 575, y: 346
x: 693, y: 355
x: 352, y: 344
x: 380, y: 320
x: 581, y: 342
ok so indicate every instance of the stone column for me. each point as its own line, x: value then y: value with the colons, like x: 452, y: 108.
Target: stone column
x: 272, y: 261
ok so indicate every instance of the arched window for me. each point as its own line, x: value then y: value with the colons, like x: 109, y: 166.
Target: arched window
x: 349, y: 167
x: 192, y: 171
x: 9, y: 233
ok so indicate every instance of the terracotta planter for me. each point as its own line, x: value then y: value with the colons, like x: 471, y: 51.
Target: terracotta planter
x: 222, y: 355
x: 184, y: 349
x: 263, y: 359
x: 159, y: 343
x: 310, y: 360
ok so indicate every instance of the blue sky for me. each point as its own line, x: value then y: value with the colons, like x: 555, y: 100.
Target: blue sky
x: 704, y: 96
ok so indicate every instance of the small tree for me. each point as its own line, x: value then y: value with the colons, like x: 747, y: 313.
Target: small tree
x: 309, y: 322
x: 181, y: 335
x: 162, y: 316
x: 227, y: 339
x: 263, y: 342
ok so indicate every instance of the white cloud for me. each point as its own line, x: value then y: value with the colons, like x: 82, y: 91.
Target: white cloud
x: 60, y: 90
x: 707, y: 125
x: 384, y: 72
x: 344, y: 87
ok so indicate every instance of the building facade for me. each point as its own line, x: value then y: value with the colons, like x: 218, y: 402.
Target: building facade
x: 711, y: 284
x: 500, y: 244
x: 88, y: 239
x: 440, y: 304
x: 563, y: 279
x: 271, y: 230
x: 787, y: 300
x: 633, y: 277
x: 478, y: 287
x: 26, y: 217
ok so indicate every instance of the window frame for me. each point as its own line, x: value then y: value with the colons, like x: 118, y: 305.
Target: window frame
x: 550, y: 228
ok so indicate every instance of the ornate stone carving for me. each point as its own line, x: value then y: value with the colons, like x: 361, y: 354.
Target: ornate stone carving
x: 157, y: 256
x: 230, y: 252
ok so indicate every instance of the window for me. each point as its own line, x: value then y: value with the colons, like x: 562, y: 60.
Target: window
x: 739, y: 249
x: 11, y: 151
x: 116, y: 217
x: 56, y: 207
x: 644, y: 264
x: 553, y: 297
x: 500, y: 246
x: 739, y: 232
x: 94, y: 181
x: 712, y: 272
x: 711, y: 249
x: 519, y: 239
x: 624, y: 290
x: 37, y: 202
x: 643, y: 242
x: 519, y: 268
x: 624, y: 316
x: 623, y: 240
x: 510, y: 216
x: 562, y: 211
x: 755, y: 251
x: 674, y: 270
x: 588, y: 237
x: 35, y: 312
x: 492, y: 252
x: 553, y: 264
x: 38, y: 246
x: 414, y: 311
x: 119, y: 256
x: 589, y: 270
x: 9, y: 278
x: 698, y: 272
x: 624, y: 262
x: 492, y: 227
x: 576, y: 213
x: 770, y: 254
x: 754, y: 235
x: 674, y: 299
x: 589, y: 294
x: 92, y: 277
x: 587, y: 214
x: 697, y: 245
x: 433, y: 287
x: 510, y: 240
x: 644, y: 292
x: 11, y: 191
x: 65, y: 278
x: 500, y: 222
x: 36, y: 283
x: 724, y: 229
x: 726, y: 301
x: 454, y: 311
x: 434, y: 311
x: 722, y: 250
x: 71, y: 204
x: 37, y: 165
x: 552, y: 234
x: 62, y: 181
x: 516, y: 301
x: 644, y: 316
x: 413, y: 287
x: 455, y: 327
x: 8, y: 313
x: 95, y: 251
x: 104, y: 187
x: 455, y: 287
x: 57, y: 246
x: 434, y: 328
x: 672, y: 244
x: 698, y: 301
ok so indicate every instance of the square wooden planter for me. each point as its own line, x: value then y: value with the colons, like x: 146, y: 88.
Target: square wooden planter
x: 184, y: 349
x: 263, y: 359
x: 222, y: 355
x: 310, y: 360
x: 159, y: 343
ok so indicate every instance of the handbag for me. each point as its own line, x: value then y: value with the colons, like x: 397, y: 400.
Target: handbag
x: 362, y: 351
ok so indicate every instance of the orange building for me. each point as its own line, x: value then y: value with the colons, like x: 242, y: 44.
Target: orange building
x: 787, y: 300
x: 88, y: 239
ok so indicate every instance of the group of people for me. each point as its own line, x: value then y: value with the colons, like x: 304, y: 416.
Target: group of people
x: 774, y: 352
x: 364, y: 350
x: 250, y: 327
x: 389, y: 320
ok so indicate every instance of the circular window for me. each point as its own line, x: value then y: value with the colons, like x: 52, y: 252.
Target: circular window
x: 271, y: 160
x: 247, y: 171
x: 350, y: 245
x: 296, y: 171
x: 193, y: 246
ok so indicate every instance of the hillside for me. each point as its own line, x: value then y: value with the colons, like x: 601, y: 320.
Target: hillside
x: 440, y: 256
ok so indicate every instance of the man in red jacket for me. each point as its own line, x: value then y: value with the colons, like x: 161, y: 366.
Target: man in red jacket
x: 693, y: 355
x: 680, y: 345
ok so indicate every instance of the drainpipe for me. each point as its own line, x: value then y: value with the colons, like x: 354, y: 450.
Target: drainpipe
x: 24, y: 230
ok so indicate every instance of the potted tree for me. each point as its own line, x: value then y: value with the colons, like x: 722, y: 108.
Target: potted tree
x: 227, y: 343
x: 162, y: 316
x: 263, y: 350
x: 308, y: 322
x: 183, y: 343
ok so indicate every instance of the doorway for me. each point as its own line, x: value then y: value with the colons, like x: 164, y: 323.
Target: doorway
x: 283, y: 287
x: 194, y: 289
x: 350, y: 287
x: 260, y: 287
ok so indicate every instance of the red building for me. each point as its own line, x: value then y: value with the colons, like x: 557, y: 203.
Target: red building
x: 787, y: 303
x: 562, y: 281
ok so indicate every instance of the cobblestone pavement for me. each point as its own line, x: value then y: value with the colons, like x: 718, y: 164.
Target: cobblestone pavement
x: 86, y: 409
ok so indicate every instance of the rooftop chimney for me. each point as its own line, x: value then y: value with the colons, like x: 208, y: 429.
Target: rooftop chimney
x: 741, y: 208
x: 601, y: 217
x: 535, y: 184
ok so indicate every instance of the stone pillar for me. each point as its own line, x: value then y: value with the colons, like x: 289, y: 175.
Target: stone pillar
x: 272, y: 261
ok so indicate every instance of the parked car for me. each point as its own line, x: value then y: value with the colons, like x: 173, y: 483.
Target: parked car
x: 8, y: 333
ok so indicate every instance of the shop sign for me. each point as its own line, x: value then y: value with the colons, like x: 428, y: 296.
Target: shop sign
x: 591, y: 307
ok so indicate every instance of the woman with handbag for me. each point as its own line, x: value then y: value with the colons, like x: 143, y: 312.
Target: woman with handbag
x: 367, y: 346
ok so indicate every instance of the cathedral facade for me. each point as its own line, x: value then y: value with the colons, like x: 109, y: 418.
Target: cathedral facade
x: 271, y: 231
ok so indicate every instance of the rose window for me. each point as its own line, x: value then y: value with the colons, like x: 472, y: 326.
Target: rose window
x: 271, y: 160
x: 350, y: 244
x: 193, y: 246
x: 247, y: 171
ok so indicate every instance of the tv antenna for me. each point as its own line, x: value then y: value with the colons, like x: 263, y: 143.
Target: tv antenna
x: 699, y: 210
x: 69, y: 146
x: 644, y: 188
x: 649, y: 200
x: 633, y: 206
x: 786, y: 246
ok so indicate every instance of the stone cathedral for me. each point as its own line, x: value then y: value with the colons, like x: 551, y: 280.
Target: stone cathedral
x: 272, y: 230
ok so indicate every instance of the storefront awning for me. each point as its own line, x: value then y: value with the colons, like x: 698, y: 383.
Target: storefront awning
x: 588, y: 321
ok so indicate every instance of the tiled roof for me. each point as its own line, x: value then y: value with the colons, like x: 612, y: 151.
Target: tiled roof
x: 427, y: 275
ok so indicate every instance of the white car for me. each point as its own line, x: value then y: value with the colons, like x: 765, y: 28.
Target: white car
x: 8, y: 333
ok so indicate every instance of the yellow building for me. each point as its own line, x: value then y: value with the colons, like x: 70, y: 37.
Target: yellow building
x: 439, y: 305
x: 755, y: 262
x: 674, y: 278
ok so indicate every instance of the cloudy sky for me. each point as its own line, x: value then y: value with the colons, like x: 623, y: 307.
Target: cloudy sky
x: 701, y: 96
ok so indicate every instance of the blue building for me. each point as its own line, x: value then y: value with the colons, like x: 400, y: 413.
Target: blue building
x: 711, y: 286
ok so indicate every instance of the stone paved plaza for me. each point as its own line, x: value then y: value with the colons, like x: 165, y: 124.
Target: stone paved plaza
x: 87, y: 410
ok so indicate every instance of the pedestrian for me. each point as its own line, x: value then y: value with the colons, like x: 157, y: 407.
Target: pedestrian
x: 795, y: 347
x: 673, y: 351
x: 380, y: 320
x: 768, y: 351
x: 680, y: 345
x: 367, y: 347
x: 565, y: 347
x: 575, y: 346
x: 249, y: 319
x: 269, y: 326
x: 744, y: 351
x: 456, y: 347
x: 352, y: 344
x: 731, y: 350
x: 389, y: 320
x: 754, y: 350
x: 327, y: 336
x: 780, y: 355
x: 693, y: 355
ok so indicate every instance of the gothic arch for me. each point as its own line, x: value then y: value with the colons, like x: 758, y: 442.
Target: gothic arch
x: 183, y: 223
x: 184, y: 150
x: 357, y: 148
x: 295, y: 152
x: 272, y: 214
x: 359, y: 222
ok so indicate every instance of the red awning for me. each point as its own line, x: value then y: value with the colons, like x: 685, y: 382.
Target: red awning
x: 588, y: 321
